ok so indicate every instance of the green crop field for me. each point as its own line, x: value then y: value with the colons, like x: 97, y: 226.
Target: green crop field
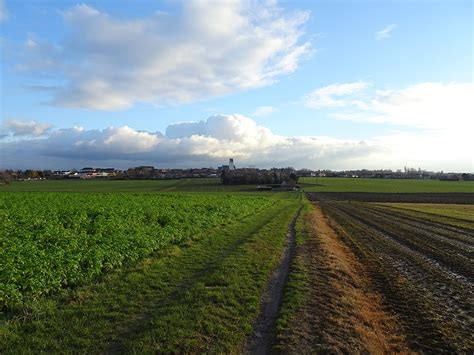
x: 52, y: 240
x: 117, y: 271
x: 97, y: 185
x: 383, y: 185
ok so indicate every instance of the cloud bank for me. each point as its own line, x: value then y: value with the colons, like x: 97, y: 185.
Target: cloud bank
x: 207, y: 49
x: 213, y: 141
x: 205, y: 143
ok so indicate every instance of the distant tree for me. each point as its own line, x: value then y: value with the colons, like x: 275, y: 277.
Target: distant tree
x: 275, y: 178
x: 225, y: 177
x: 47, y: 174
x: 133, y: 173
x: 31, y: 174
x: 294, y: 177
x: 5, y: 178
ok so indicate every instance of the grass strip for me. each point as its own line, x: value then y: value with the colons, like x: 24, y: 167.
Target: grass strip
x: 298, y: 284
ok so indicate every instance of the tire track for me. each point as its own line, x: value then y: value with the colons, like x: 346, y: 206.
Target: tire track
x: 262, y: 338
x: 136, y: 325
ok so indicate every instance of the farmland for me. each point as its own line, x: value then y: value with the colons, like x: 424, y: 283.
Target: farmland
x: 125, y: 267
x: 52, y: 240
x: 191, y: 266
x: 415, y: 272
x: 460, y: 215
x: 201, y: 185
x: 324, y: 184
x: 213, y: 185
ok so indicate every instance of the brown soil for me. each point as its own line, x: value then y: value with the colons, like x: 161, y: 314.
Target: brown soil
x: 423, y: 270
x: 343, y: 313
x: 418, y: 197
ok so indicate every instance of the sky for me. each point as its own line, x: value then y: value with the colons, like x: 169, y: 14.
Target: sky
x: 322, y: 84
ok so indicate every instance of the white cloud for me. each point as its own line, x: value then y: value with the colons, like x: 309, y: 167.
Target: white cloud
x: 209, y: 48
x: 264, y: 110
x: 3, y: 11
x: 386, y: 32
x: 334, y: 94
x: 448, y: 150
x: 424, y: 105
x: 437, y: 121
x: 211, y: 142
x: 204, y: 143
x: 23, y: 128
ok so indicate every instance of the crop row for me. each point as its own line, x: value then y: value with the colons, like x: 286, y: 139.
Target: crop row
x: 411, y: 197
x: 53, y: 240
x: 422, y: 269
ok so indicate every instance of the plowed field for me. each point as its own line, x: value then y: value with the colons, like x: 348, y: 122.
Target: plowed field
x: 423, y: 269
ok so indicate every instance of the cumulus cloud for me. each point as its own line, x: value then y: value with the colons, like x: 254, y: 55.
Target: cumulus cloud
x: 212, y: 141
x: 264, y: 110
x: 386, y: 32
x: 209, y: 48
x: 334, y: 95
x: 18, y: 128
x: 205, y: 143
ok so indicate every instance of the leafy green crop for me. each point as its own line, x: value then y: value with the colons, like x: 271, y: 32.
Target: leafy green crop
x: 54, y: 240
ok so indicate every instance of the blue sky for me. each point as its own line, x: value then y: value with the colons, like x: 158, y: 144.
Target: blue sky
x: 317, y: 84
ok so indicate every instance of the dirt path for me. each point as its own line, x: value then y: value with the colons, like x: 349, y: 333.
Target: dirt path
x: 342, y: 313
x: 262, y: 338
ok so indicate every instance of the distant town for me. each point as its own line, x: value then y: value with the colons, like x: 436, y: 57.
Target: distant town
x: 229, y: 174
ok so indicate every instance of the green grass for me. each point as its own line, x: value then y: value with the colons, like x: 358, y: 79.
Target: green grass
x: 97, y: 185
x: 298, y: 285
x: 383, y: 185
x: 198, y: 297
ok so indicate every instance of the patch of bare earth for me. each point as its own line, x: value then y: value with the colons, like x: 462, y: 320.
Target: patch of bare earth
x: 342, y: 314
x: 422, y: 269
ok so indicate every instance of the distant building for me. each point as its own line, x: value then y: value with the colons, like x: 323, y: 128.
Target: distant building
x: 231, y: 164
x: 87, y: 173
